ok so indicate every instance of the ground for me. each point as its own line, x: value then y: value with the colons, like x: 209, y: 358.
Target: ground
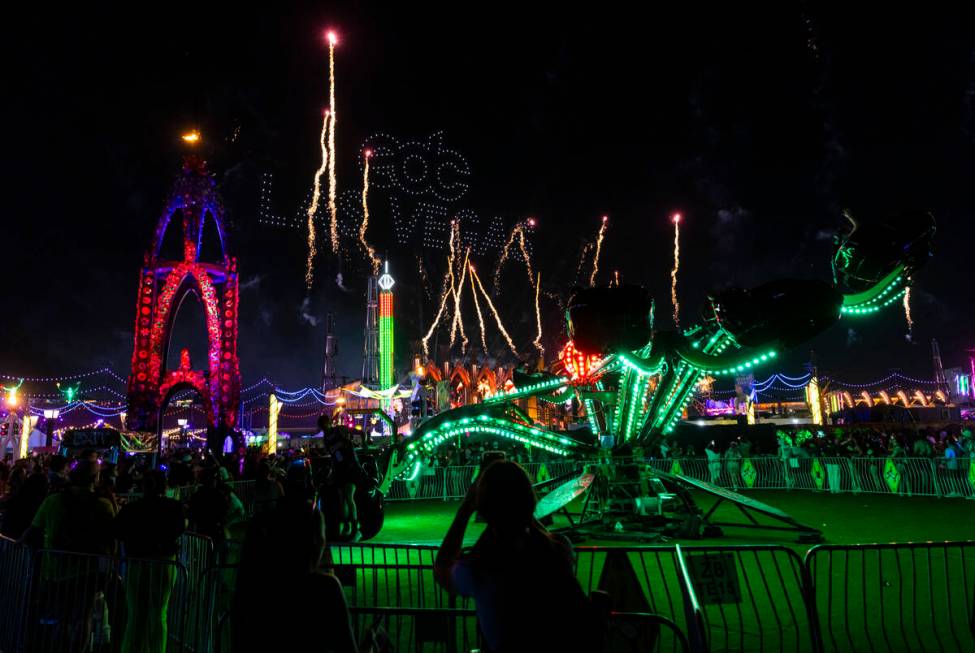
x: 843, y: 518
x: 752, y: 599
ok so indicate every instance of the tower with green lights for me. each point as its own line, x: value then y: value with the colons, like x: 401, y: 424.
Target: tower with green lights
x: 386, y: 375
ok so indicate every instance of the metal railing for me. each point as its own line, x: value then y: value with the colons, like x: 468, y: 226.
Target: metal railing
x: 903, y: 476
x: 80, y: 601
x: 893, y: 597
x: 890, y: 597
x: 15, y: 581
x: 936, y: 477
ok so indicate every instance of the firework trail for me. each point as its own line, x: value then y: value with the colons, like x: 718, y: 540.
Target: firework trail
x: 582, y: 258
x: 370, y: 252
x: 517, y: 234
x: 425, y: 280
x: 447, y: 287
x: 458, y: 322
x: 480, y: 316
x: 538, y: 315
x: 497, y: 317
x: 333, y: 219
x: 524, y: 253
x: 907, y: 313
x: 673, y: 273
x: 599, y: 249
x: 313, y: 208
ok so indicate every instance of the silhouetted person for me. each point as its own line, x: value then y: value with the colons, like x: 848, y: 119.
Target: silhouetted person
x: 21, y: 507
x: 520, y: 576
x: 149, y: 528
x: 293, y: 535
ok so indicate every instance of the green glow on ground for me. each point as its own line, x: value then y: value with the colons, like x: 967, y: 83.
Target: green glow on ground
x: 843, y: 518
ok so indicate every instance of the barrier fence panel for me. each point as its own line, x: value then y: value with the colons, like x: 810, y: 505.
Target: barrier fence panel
x: 245, y: 491
x: 15, y: 580
x: 902, y: 476
x: 89, y: 602
x: 451, y: 630
x: 196, y: 554
x: 640, y: 579
x: 750, y: 597
x: 644, y: 632
x: 216, y: 587
x: 894, y: 597
x: 377, y: 575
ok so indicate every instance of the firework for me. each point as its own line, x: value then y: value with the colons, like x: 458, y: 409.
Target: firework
x: 447, y: 287
x: 582, y: 258
x: 333, y: 219
x: 524, y: 251
x: 494, y: 311
x: 313, y: 207
x: 370, y: 252
x: 517, y: 235
x: 673, y: 272
x: 599, y: 249
x: 458, y: 322
x: 538, y: 315
x: 907, y: 312
x: 480, y: 316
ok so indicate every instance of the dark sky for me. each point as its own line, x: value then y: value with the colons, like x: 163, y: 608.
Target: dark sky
x: 758, y: 125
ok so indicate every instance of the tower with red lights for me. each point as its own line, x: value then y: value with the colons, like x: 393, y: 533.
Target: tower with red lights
x: 163, y: 284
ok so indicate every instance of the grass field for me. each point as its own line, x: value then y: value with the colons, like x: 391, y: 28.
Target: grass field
x: 876, y: 599
x: 843, y: 519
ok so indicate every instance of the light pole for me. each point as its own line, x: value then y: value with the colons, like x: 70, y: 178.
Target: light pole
x: 50, y: 420
x: 182, y: 429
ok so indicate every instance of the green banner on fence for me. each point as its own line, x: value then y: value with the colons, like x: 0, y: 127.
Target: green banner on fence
x: 748, y: 473
x: 676, y: 468
x: 892, y: 475
x: 971, y: 472
x: 542, y: 474
x: 818, y: 474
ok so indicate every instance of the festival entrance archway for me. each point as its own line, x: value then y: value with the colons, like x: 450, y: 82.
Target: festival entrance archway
x: 163, y: 284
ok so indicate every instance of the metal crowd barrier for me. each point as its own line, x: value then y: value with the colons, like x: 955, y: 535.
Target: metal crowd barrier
x: 417, y: 630
x: 749, y: 598
x: 893, y: 597
x: 196, y: 554
x: 91, y: 602
x: 15, y: 581
x: 936, y: 477
x: 639, y: 632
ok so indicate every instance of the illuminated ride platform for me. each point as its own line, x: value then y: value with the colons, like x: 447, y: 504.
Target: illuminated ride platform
x: 635, y: 381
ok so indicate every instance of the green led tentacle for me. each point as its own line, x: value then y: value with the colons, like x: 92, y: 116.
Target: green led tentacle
x: 883, y: 293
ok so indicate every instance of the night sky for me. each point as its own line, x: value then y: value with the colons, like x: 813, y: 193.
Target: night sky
x: 759, y: 126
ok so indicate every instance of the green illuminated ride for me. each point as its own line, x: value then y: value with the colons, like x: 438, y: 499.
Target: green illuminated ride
x: 645, y: 378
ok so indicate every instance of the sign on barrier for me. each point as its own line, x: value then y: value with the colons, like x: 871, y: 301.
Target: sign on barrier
x: 715, y: 577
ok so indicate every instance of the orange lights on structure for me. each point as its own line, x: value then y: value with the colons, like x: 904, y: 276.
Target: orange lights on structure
x: 577, y: 364
x: 192, y: 137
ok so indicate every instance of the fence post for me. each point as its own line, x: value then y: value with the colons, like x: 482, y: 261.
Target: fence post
x: 934, y: 478
x: 853, y: 475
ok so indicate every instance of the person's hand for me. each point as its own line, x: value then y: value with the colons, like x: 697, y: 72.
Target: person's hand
x: 469, y: 504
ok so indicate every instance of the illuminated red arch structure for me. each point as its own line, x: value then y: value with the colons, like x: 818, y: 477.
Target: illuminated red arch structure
x: 162, y: 286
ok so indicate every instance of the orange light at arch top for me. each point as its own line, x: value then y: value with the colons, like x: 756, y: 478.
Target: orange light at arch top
x: 577, y: 364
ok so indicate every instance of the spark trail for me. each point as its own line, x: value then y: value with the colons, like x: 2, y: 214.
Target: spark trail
x: 370, y: 252
x: 480, y: 316
x: 313, y: 208
x: 494, y: 311
x: 333, y: 218
x: 673, y: 272
x: 599, y: 249
x: 538, y: 315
